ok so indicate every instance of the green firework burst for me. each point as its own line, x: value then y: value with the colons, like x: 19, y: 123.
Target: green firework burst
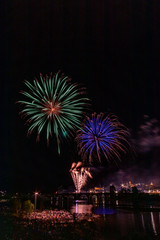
x: 53, y: 104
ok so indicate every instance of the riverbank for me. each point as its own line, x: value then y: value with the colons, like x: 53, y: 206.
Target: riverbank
x: 109, y: 223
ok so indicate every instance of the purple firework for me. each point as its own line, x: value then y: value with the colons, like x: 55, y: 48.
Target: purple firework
x: 102, y: 136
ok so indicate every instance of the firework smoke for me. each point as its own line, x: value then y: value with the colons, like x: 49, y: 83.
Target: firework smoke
x: 148, y: 135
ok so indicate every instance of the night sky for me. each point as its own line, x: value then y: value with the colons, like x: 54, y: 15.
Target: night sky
x: 112, y: 47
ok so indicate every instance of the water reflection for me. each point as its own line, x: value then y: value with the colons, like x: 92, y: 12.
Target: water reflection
x: 81, y: 208
x: 143, y: 221
x: 102, y: 211
x: 153, y: 224
x: 120, y: 219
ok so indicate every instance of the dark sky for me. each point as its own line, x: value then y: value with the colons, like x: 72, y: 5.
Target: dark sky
x: 112, y: 47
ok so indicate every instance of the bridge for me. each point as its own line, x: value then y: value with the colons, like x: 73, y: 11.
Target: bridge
x: 87, y: 196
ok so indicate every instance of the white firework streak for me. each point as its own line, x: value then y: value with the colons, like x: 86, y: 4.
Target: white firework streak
x: 79, y: 175
x: 79, y: 179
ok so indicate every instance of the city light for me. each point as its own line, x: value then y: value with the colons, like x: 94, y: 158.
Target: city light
x: 35, y: 200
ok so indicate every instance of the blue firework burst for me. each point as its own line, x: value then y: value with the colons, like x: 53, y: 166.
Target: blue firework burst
x: 102, y: 136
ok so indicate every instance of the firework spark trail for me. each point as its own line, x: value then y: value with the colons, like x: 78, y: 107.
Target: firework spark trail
x: 79, y: 179
x: 102, y: 136
x: 80, y: 175
x: 53, y: 103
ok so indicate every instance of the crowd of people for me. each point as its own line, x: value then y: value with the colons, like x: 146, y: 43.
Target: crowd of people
x: 47, y: 224
x: 60, y: 216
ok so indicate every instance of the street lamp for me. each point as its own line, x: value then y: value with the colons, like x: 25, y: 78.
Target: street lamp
x: 35, y: 200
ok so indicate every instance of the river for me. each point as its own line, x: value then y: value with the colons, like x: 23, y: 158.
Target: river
x: 122, y: 221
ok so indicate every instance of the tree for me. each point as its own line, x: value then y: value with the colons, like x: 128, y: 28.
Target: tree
x: 28, y: 206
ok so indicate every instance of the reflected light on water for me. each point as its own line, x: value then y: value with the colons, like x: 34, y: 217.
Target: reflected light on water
x: 81, y: 208
x: 102, y: 211
x: 153, y: 224
x: 119, y: 221
x: 143, y: 221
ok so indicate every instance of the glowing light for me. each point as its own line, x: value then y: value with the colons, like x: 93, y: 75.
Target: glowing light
x: 53, y: 104
x: 79, y: 179
x: 102, y: 136
x: 35, y: 200
x: 80, y: 175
